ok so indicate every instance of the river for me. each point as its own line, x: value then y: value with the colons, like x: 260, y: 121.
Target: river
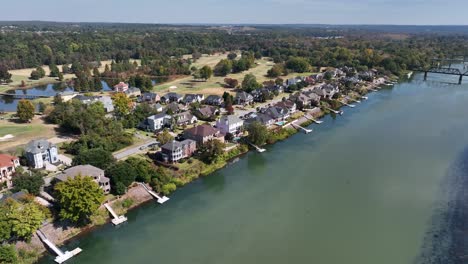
x: 363, y: 188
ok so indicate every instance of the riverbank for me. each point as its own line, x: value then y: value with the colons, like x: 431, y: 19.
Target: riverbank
x: 71, y: 233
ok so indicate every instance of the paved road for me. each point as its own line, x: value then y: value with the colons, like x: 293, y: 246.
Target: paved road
x: 134, y: 149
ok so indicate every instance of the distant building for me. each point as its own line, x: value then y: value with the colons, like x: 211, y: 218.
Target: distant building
x: 185, y: 118
x: 87, y: 170
x: 193, y: 98
x: 121, y: 87
x: 172, y: 97
x: 133, y: 92
x: 214, y: 100
x: 203, y: 133
x: 243, y: 98
x: 174, y: 151
x: 105, y: 100
x: 149, y: 98
x: 207, y: 112
x: 157, y: 122
x: 8, y: 166
x: 39, y: 152
x: 230, y: 124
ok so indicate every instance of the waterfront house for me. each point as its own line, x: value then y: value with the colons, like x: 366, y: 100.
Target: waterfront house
x: 261, y: 118
x: 172, y: 97
x: 193, y: 98
x: 277, y: 113
x: 288, y: 104
x: 157, y: 122
x: 87, y: 171
x: 184, y: 118
x: 326, y: 91
x: 207, y: 112
x: 40, y: 152
x: 174, y: 151
x: 243, y: 98
x: 149, y: 98
x: 121, y: 87
x: 305, y: 99
x: 203, y: 133
x: 133, y: 92
x: 8, y: 165
x: 214, y: 100
x: 230, y: 124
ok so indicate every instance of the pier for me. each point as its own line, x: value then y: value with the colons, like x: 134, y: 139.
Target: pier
x: 160, y: 199
x: 117, y: 220
x: 349, y: 105
x: 259, y: 150
x: 313, y: 120
x: 61, y: 256
x: 335, y: 111
x: 25, y: 96
x: 305, y: 130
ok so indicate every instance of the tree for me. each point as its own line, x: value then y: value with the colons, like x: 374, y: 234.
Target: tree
x: 25, y: 110
x: 122, y: 104
x: 297, y: 64
x: 258, y: 133
x: 223, y: 68
x: 232, y: 56
x: 5, y: 76
x: 205, y: 72
x: 164, y: 137
x: 279, y: 81
x: 24, y: 217
x: 8, y: 254
x: 231, y: 83
x: 276, y: 71
x: 54, y: 70
x: 211, y: 151
x: 41, y: 72
x: 60, y: 76
x: 121, y: 174
x: 24, y: 181
x: 250, y: 83
x: 79, y: 198
x: 66, y: 69
x: 35, y: 75
x: 97, y: 157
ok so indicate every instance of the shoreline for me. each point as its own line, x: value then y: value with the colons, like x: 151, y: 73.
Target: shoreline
x: 37, y: 246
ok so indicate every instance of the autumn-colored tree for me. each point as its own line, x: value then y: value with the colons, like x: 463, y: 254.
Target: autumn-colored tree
x: 25, y: 110
x: 122, y: 104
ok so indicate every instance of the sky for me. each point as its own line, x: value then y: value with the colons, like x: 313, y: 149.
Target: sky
x: 397, y: 12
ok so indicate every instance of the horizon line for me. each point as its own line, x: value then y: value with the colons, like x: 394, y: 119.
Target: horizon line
x: 233, y: 24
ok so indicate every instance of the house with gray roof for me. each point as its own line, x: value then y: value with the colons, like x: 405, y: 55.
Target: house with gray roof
x: 105, y: 100
x: 214, y: 100
x: 89, y: 171
x: 230, y: 124
x: 133, y: 92
x: 156, y: 122
x: 261, y: 118
x: 193, y: 98
x: 243, y: 98
x: 149, y: 98
x: 39, y: 152
x: 185, y: 118
x: 207, y: 112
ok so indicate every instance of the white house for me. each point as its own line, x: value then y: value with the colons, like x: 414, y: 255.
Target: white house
x: 39, y: 152
x: 229, y: 124
x: 158, y: 122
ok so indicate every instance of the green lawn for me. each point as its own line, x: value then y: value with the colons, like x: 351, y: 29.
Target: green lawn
x: 215, y: 84
x: 17, y: 130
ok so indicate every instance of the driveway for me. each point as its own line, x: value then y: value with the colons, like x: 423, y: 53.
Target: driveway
x: 136, y: 149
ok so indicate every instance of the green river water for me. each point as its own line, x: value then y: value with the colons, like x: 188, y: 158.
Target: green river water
x: 360, y: 189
